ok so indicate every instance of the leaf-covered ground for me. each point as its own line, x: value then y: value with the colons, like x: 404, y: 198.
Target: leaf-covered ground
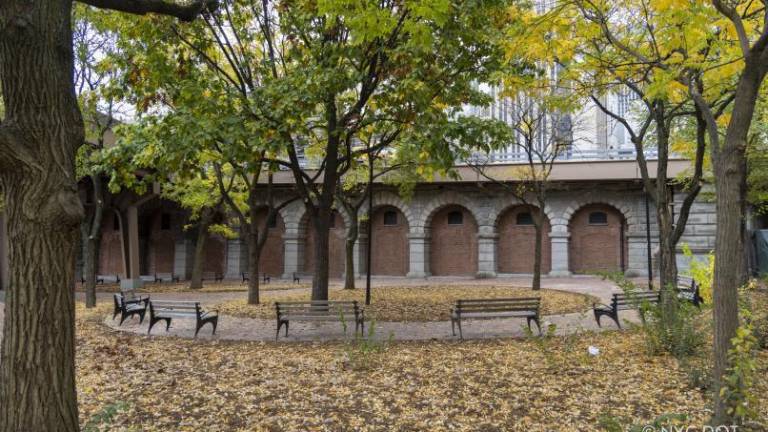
x: 418, y: 303
x: 169, y: 384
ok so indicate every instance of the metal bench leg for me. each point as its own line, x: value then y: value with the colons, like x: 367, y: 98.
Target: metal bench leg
x: 535, y: 320
x: 287, y: 323
x: 277, y: 334
x: 461, y: 334
x: 167, y: 324
x: 597, y: 318
x: 615, y: 316
x: 215, y: 323
x: 453, y: 326
x: 141, y: 316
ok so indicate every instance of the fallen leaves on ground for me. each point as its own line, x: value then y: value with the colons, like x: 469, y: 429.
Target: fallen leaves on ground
x: 418, y: 303
x: 165, y: 383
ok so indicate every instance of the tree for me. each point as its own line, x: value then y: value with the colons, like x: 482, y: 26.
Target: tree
x: 338, y: 67
x: 540, y: 133
x: 99, y: 108
x: 41, y: 131
x: 715, y: 53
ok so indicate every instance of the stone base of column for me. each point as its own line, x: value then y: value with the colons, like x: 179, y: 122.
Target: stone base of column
x: 131, y: 284
x: 560, y: 273
x: 418, y: 275
x: 485, y: 275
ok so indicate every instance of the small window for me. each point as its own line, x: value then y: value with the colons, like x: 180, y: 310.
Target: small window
x: 524, y: 218
x: 165, y: 221
x: 390, y: 217
x: 455, y: 218
x: 272, y: 223
x: 598, y: 218
x: 115, y: 223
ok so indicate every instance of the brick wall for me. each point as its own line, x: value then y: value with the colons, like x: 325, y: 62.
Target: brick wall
x: 517, y: 243
x: 390, y: 244
x: 271, y: 262
x: 161, y: 244
x: 110, y: 252
x: 453, y: 248
x: 336, y: 248
x: 596, y: 247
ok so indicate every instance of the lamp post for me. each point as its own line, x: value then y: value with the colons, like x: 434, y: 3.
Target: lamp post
x: 370, y: 232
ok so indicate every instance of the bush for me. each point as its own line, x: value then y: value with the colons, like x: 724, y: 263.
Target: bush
x: 669, y: 327
x: 702, y: 273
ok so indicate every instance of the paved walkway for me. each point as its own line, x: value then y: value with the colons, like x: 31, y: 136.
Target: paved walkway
x: 249, y: 329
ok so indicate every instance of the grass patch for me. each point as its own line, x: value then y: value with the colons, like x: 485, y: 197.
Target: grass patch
x: 419, y: 303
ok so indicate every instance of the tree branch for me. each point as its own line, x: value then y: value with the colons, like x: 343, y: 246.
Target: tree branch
x: 184, y: 12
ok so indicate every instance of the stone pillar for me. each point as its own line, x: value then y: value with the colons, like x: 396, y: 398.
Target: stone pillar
x: 294, y: 253
x: 4, y: 261
x: 559, y: 238
x: 419, y: 255
x: 237, y: 258
x: 359, y: 255
x: 183, y: 258
x: 637, y: 247
x: 487, y: 239
x: 133, y: 269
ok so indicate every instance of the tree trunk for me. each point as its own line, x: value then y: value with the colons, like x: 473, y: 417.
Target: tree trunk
x: 40, y: 133
x: 322, y: 224
x: 730, y: 168
x: 254, y: 255
x: 667, y: 246
x: 92, y: 242
x: 538, y: 226
x: 353, y: 233
x: 197, y: 266
x: 728, y: 264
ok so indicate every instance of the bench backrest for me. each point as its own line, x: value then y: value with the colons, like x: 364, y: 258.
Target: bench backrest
x: 634, y: 300
x: 177, y: 307
x: 128, y: 293
x: 317, y: 308
x: 526, y: 304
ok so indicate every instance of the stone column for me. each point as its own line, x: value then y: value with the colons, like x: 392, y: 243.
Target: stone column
x: 4, y: 266
x: 183, y: 258
x: 418, y: 244
x: 133, y: 269
x: 294, y: 252
x: 359, y: 255
x: 237, y: 258
x: 559, y: 238
x: 487, y: 240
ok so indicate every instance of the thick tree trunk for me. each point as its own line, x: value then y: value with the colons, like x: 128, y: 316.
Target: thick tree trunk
x: 353, y: 233
x: 667, y: 247
x: 730, y: 168
x: 40, y: 133
x: 322, y: 241
x: 196, y: 281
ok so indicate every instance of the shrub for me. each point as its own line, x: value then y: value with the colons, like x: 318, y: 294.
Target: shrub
x: 702, y: 273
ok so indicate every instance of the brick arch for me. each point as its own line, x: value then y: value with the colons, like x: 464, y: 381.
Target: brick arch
x: 336, y: 245
x: 453, y: 248
x: 392, y: 200
x: 516, y: 243
x: 507, y: 203
x: 390, y: 243
x: 601, y: 247
x: 629, y: 215
x: 441, y: 200
x: 272, y: 255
